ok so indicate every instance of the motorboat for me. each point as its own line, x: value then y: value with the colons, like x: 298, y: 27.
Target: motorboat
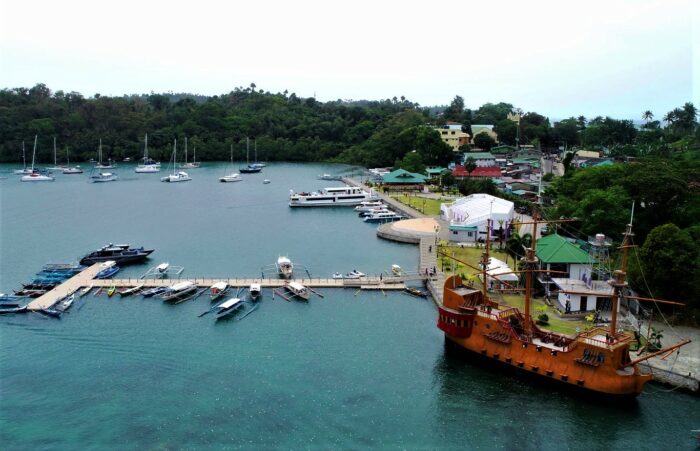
x: 416, y: 292
x: 180, y: 176
x: 396, y: 270
x: 108, y: 269
x: 217, y: 290
x: 369, y: 205
x: 228, y: 307
x: 147, y: 165
x: 130, y: 291
x: 347, y: 196
x: 72, y: 170
x: 255, y: 290
x: 85, y: 291
x: 179, y: 292
x: 330, y: 177
x: 233, y: 177
x: 337, y: 275
x: 266, y: 181
x: 154, y: 291
x: 298, y: 290
x: 163, y: 267
x: 383, y: 216
x: 285, y: 268
x: 67, y: 302
x: 355, y: 274
x: 101, y: 177
x: 364, y: 214
x: 119, y: 253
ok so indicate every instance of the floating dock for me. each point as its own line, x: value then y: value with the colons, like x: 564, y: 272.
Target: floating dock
x: 86, y: 278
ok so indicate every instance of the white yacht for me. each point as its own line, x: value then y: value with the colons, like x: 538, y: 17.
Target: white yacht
x: 368, y: 205
x: 383, y: 216
x: 103, y: 177
x: 346, y: 196
x: 230, y: 176
x: 190, y: 165
x: 175, y: 176
x: 147, y: 165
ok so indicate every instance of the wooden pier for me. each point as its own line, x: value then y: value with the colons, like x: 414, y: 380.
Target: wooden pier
x: 86, y: 278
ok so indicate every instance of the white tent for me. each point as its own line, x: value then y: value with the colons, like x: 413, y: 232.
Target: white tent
x: 472, y: 212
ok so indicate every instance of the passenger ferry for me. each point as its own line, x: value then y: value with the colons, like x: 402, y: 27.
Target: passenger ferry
x: 345, y: 196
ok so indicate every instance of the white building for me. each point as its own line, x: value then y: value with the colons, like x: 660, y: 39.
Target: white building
x: 575, y: 295
x: 468, y: 216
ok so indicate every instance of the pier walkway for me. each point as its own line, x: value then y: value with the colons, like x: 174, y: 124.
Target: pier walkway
x: 68, y: 287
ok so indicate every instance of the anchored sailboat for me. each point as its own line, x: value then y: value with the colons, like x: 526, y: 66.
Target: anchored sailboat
x: 193, y: 164
x: 249, y: 168
x: 179, y: 176
x: 101, y: 165
x: 35, y: 175
x: 231, y: 176
x: 147, y: 165
x: 55, y: 167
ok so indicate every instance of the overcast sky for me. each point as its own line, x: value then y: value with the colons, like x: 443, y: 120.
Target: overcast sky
x: 560, y: 58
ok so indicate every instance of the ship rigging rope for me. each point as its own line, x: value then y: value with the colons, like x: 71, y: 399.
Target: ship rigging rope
x: 646, y: 285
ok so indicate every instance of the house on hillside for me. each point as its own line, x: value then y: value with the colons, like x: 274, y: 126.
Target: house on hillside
x: 468, y: 216
x: 451, y: 133
x: 482, y: 159
x: 557, y: 253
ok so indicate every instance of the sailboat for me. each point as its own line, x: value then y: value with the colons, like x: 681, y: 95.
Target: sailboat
x: 71, y: 170
x: 99, y: 164
x: 233, y: 176
x: 179, y: 176
x: 147, y: 166
x: 249, y: 168
x: 194, y: 163
x: 595, y: 361
x: 55, y: 167
x: 25, y: 170
x: 35, y: 175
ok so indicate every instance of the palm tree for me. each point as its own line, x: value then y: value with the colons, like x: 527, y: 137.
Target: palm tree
x: 648, y: 116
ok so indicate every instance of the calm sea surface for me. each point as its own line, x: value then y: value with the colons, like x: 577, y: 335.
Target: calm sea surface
x: 346, y: 371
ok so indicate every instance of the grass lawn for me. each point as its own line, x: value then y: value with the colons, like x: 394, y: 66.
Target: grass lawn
x: 430, y: 207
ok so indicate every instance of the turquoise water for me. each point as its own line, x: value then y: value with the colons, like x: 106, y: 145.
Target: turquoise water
x: 347, y: 371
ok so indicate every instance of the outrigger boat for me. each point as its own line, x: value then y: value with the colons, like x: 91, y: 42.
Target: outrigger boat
x: 298, y: 290
x: 130, y: 291
x: 595, y: 361
x: 67, y: 302
x: 255, y: 290
x: 85, y: 291
x: 154, y: 291
x: 179, y: 292
x: 285, y: 268
x: 217, y: 290
x: 228, y: 307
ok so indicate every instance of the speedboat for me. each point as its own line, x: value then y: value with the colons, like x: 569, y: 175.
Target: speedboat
x: 367, y: 213
x: 396, y: 270
x: 416, y: 292
x: 163, y: 267
x: 217, y: 290
x: 355, y: 274
x: 154, y: 291
x: 73, y: 170
x: 285, y: 268
x: 368, y: 205
x: 179, y: 292
x: 103, y: 177
x: 233, y: 177
x: 227, y: 307
x: 337, y: 275
x: 298, y: 290
x: 255, y: 290
x: 383, y: 216
x: 67, y: 302
x: 266, y: 181
x: 180, y: 176
x: 109, y: 268
x: 120, y: 253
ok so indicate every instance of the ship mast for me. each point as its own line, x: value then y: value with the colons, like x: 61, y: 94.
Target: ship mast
x: 485, y: 260
x: 530, y: 264
x: 619, y: 282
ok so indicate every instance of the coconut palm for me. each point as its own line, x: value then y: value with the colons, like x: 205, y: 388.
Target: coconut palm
x: 648, y: 116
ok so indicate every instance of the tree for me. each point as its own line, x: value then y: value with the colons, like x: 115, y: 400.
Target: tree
x: 412, y: 162
x: 484, y: 141
x: 455, y: 112
x: 507, y: 131
x: 469, y: 165
x: 433, y: 150
x: 648, y: 116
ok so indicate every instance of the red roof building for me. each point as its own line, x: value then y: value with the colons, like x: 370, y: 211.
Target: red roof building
x: 483, y: 172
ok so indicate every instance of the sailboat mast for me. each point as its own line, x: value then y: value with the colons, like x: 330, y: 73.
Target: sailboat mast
x: 247, y: 150
x: 99, y: 152
x: 145, y: 149
x: 185, y: 149
x: 255, y: 145
x: 24, y: 157
x: 34, y: 152
x: 55, y: 161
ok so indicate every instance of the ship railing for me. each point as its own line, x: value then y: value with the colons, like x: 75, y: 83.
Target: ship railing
x: 588, y: 337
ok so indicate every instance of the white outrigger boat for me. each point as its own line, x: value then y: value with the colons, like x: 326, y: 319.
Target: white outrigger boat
x: 227, y: 307
x: 255, y: 290
x: 298, y: 290
x: 217, y: 290
x: 285, y: 268
x: 67, y: 302
x: 179, y: 292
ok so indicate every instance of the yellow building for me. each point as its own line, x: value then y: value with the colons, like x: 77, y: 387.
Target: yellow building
x: 488, y: 129
x: 452, y: 134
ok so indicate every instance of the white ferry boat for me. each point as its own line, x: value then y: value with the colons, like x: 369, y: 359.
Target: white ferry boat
x: 346, y: 196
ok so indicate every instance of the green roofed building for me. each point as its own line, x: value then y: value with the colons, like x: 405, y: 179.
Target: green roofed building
x: 556, y: 253
x: 434, y: 172
x: 401, y: 179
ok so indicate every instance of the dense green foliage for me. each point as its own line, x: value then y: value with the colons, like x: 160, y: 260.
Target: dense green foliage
x: 286, y: 127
